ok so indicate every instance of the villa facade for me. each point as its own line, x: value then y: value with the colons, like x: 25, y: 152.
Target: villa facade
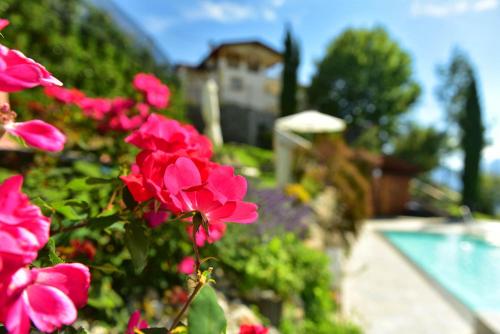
x: 248, y: 94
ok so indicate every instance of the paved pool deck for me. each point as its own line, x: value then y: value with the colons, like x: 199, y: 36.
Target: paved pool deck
x: 385, y: 293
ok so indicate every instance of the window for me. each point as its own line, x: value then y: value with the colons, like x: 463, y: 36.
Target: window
x: 236, y: 84
x: 233, y: 61
x: 253, y: 66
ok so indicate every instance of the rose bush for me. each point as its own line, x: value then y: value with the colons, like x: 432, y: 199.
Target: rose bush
x: 172, y: 182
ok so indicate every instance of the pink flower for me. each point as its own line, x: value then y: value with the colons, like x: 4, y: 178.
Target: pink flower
x: 219, y: 200
x: 23, y: 228
x: 215, y: 232
x: 95, y: 108
x: 186, y: 266
x: 38, y: 134
x: 157, y: 94
x: 135, y: 322
x: 156, y: 217
x: 253, y: 329
x: 64, y: 95
x: 163, y: 134
x: 3, y: 23
x: 48, y: 296
x: 18, y: 72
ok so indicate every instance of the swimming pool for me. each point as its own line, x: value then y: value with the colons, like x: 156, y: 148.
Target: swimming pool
x: 467, y: 267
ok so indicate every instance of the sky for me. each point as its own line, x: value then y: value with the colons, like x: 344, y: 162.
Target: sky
x: 428, y: 29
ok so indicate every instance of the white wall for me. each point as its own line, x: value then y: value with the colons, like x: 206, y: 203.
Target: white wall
x: 253, y: 93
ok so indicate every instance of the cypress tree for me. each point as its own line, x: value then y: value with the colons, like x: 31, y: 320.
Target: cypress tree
x: 291, y: 59
x: 459, y: 93
x: 472, y: 143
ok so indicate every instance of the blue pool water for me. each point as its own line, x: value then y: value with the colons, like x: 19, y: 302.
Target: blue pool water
x: 469, y: 268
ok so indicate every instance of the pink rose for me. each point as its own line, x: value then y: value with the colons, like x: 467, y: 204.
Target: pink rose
x: 48, y: 296
x: 219, y: 199
x: 23, y: 228
x: 135, y: 322
x: 186, y: 266
x: 253, y: 329
x: 18, y: 72
x: 64, y: 95
x: 157, y: 94
x: 163, y: 134
x: 38, y: 134
x: 3, y: 23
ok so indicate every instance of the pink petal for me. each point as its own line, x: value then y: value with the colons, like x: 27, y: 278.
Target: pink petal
x: 235, y: 212
x: 18, y: 72
x: 155, y: 219
x: 135, y: 322
x: 135, y: 184
x: 73, y: 279
x: 186, y: 266
x: 17, y: 320
x: 49, y: 308
x: 3, y: 23
x: 225, y: 185
x: 245, y: 213
x: 181, y: 175
x: 38, y: 134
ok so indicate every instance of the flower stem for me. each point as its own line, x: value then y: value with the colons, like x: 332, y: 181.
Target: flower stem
x: 178, y: 318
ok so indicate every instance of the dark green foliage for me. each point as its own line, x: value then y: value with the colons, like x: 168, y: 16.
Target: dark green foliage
x: 138, y: 244
x: 366, y: 79
x: 489, y: 196
x: 460, y: 97
x: 422, y: 146
x: 291, y: 60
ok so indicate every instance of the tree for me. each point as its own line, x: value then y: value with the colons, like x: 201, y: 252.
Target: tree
x: 459, y: 95
x: 422, y: 146
x: 366, y: 79
x: 291, y: 60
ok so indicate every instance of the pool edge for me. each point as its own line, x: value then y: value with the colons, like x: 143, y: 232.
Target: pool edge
x: 472, y: 317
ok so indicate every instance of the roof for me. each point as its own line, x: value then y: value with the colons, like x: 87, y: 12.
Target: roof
x: 274, y: 55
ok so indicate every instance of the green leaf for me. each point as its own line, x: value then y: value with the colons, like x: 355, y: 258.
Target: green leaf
x: 99, y: 180
x: 53, y: 257
x: 107, y: 268
x: 68, y: 209
x: 88, y: 168
x: 205, y: 315
x: 137, y: 244
x: 100, y: 223
x: 78, y: 184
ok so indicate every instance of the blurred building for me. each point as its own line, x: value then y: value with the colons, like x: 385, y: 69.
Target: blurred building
x: 248, y: 94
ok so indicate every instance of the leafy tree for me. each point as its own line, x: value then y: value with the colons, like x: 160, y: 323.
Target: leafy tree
x: 422, y: 146
x: 460, y: 97
x: 489, y: 196
x: 291, y: 60
x: 366, y: 79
